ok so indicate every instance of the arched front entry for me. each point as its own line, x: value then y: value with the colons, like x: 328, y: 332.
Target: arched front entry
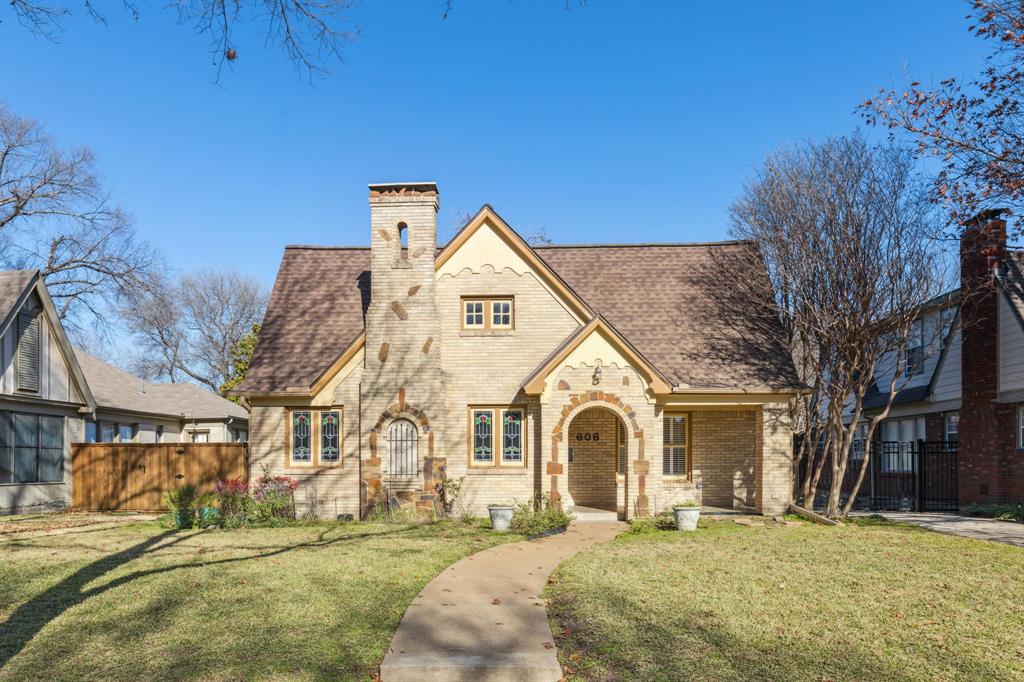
x: 636, y: 467
x: 596, y: 460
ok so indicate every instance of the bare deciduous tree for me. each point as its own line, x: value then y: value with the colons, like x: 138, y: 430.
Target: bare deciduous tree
x: 309, y: 31
x: 844, y: 229
x: 56, y: 216
x: 187, y: 330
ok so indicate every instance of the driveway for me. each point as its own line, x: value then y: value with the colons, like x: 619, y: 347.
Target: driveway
x: 483, y: 618
x: 968, y: 526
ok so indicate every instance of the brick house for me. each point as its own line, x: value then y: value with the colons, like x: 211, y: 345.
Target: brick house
x: 595, y: 374
x: 963, y: 379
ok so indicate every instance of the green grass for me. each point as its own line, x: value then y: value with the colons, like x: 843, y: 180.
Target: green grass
x: 141, y: 602
x: 870, y: 601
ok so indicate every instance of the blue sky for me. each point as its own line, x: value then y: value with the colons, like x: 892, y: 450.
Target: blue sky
x: 614, y: 122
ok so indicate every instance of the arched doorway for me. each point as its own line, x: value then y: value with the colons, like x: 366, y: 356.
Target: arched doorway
x: 597, y: 460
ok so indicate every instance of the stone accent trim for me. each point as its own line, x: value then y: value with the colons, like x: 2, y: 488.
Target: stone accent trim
x: 577, y: 403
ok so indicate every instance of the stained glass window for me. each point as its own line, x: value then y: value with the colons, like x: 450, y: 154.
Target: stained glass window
x: 674, y: 445
x: 501, y: 313
x: 512, y: 437
x: 483, y: 436
x: 330, y: 432
x: 301, y: 437
x: 474, y: 313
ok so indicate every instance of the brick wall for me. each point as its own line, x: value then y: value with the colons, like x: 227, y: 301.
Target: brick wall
x: 990, y: 468
x: 591, y: 476
x: 488, y: 368
x: 724, y: 450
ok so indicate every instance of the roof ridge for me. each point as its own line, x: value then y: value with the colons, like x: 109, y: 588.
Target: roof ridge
x: 726, y: 242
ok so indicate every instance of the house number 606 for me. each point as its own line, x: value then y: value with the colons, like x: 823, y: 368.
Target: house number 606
x: 588, y: 436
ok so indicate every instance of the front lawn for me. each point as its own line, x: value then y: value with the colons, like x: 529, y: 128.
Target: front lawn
x: 874, y: 601
x: 139, y: 602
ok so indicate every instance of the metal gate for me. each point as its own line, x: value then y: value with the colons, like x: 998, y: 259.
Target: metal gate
x: 905, y: 476
x: 403, y: 442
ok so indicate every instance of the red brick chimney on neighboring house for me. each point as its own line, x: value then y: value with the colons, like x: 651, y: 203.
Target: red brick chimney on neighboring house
x: 988, y: 429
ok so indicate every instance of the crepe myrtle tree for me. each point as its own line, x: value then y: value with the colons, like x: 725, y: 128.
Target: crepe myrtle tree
x: 844, y: 229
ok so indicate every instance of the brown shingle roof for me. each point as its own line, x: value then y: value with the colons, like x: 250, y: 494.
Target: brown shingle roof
x: 12, y: 286
x: 116, y: 389
x: 316, y: 309
x: 659, y: 297
x: 665, y: 299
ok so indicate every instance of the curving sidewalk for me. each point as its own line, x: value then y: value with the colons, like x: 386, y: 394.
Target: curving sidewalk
x: 483, y: 617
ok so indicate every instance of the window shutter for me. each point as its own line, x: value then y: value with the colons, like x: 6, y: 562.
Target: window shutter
x: 28, y: 353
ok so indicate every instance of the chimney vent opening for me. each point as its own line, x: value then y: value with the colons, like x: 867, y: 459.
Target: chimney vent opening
x: 403, y: 235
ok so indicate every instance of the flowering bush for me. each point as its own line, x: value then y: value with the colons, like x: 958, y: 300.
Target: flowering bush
x: 270, y: 503
x: 234, y: 501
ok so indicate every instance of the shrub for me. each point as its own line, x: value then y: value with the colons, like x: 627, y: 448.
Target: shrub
x: 651, y: 524
x: 271, y: 501
x: 183, y: 497
x: 1003, y: 512
x: 534, y: 518
x: 449, y: 491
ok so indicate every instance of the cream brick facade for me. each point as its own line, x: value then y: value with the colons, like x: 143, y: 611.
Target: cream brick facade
x: 417, y: 362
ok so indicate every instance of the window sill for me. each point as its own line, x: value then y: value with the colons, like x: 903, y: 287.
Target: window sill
x: 487, y: 332
x: 4, y: 485
x: 497, y: 470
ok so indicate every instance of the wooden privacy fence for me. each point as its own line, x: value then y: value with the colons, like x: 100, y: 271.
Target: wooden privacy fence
x: 134, y: 476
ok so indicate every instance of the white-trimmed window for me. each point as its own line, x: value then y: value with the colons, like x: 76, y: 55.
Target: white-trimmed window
x: 315, y: 437
x: 898, y: 439
x: 200, y: 436
x: 914, y: 355
x: 674, y: 445
x: 486, y: 314
x: 501, y: 314
x: 473, y: 314
x: 497, y: 436
x: 952, y: 427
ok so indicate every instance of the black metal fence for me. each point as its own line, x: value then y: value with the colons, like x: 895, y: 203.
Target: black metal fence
x: 904, y: 476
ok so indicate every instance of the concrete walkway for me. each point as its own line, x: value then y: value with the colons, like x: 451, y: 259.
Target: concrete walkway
x: 483, y: 617
x: 967, y: 526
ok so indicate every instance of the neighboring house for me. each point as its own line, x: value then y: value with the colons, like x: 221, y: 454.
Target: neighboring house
x: 130, y: 410
x: 966, y: 384
x: 52, y: 395
x: 606, y: 377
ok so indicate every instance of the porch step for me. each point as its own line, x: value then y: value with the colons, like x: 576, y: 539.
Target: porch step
x: 591, y: 515
x: 724, y: 511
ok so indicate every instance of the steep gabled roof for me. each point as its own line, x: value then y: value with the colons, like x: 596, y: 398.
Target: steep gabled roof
x: 535, y: 383
x: 15, y: 288
x: 660, y: 299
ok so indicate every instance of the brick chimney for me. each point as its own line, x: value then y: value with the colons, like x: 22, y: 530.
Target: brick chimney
x: 987, y: 427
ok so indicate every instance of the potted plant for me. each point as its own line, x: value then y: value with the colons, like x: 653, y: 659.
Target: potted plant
x: 181, y: 502
x: 501, y: 516
x: 686, y: 514
x: 208, y: 514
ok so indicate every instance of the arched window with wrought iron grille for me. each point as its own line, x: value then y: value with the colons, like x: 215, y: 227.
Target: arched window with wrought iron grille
x: 403, y: 441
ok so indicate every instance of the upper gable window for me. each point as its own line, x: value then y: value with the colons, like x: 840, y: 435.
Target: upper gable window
x: 485, y: 314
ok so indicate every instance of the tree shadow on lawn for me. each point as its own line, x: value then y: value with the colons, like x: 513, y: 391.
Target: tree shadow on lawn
x: 648, y: 648
x: 33, y: 615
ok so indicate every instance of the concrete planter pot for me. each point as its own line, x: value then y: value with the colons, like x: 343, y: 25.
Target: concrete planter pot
x: 501, y: 516
x: 686, y: 517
